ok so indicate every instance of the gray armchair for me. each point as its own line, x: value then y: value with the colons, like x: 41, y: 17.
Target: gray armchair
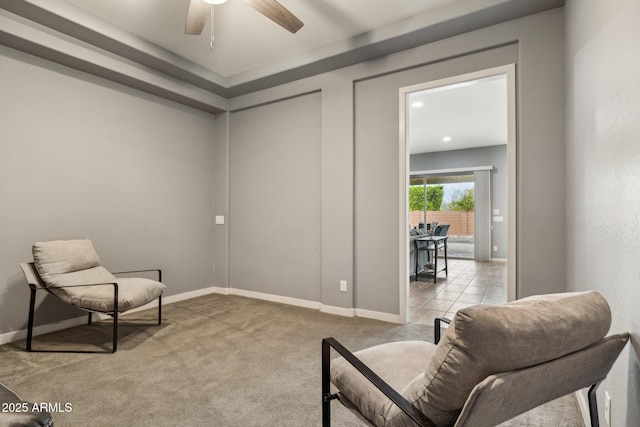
x: 492, y: 364
x: 71, y: 271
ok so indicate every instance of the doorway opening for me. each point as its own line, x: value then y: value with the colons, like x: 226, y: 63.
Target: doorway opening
x: 457, y: 136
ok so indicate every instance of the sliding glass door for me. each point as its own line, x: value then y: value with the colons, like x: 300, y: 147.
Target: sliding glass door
x: 446, y: 200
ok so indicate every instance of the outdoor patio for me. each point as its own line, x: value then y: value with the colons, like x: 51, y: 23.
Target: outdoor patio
x: 460, y: 247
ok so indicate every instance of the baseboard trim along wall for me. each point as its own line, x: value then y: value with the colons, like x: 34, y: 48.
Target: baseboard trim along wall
x: 269, y: 297
x: 376, y: 315
x: 9, y: 337
x: 583, y: 403
x: 340, y: 311
x: 76, y: 321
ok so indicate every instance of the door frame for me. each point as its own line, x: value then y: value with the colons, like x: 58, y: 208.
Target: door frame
x: 403, y: 182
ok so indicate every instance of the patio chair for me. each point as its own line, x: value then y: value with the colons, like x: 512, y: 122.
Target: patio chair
x: 441, y: 230
x: 71, y: 271
x: 492, y: 364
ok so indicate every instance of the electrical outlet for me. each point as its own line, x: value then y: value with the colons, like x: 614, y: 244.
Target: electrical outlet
x: 495, y: 248
x: 343, y: 285
x: 607, y: 408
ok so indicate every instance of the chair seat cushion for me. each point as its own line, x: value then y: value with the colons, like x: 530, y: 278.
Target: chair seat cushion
x: 396, y: 363
x: 132, y: 292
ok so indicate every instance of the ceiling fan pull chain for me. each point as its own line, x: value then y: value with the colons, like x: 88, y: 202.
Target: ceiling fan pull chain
x: 211, y: 26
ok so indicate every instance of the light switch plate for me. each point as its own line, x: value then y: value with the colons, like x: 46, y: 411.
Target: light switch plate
x: 219, y: 219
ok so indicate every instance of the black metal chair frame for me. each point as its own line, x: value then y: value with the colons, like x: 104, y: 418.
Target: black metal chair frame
x: 40, y: 286
x: 407, y: 407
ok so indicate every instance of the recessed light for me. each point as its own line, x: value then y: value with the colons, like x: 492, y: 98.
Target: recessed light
x: 446, y: 139
x: 417, y: 104
x: 215, y: 1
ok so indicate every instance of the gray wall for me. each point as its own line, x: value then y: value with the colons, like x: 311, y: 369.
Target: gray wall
x: 603, y: 177
x: 173, y: 177
x: 377, y: 190
x: 274, y: 198
x: 495, y: 156
x: 84, y: 158
x: 143, y: 178
x: 359, y: 177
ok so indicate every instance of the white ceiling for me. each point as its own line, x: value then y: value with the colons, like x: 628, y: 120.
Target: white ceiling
x: 247, y: 43
x: 244, y: 39
x: 458, y: 116
x: 251, y: 53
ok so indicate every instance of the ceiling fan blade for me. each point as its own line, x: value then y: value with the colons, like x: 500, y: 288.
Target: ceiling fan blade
x: 277, y: 13
x: 196, y: 17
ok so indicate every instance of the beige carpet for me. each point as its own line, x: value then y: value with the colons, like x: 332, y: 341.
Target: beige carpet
x: 215, y: 361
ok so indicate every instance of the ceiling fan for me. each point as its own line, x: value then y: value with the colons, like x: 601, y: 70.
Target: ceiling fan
x: 200, y: 9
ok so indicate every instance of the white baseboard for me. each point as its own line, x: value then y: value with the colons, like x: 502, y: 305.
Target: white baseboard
x: 377, y: 315
x: 76, y: 321
x: 341, y: 311
x: 9, y: 337
x: 270, y: 297
x: 188, y: 295
x: 583, y: 403
x: 166, y: 300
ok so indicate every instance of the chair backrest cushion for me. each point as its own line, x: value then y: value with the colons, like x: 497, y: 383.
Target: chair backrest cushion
x: 502, y: 396
x: 63, y: 256
x: 484, y: 340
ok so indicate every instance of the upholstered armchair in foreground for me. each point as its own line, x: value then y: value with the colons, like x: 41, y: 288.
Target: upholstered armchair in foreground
x: 71, y: 271
x: 17, y: 412
x: 492, y: 364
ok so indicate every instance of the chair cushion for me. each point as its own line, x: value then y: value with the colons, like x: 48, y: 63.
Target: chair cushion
x: 396, y: 363
x: 63, y: 256
x: 66, y: 266
x: 485, y: 340
x: 481, y: 341
x: 132, y: 292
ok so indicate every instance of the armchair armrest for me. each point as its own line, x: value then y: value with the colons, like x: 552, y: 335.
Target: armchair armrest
x: 437, y: 328
x: 32, y: 276
x: 35, y: 282
x: 327, y: 343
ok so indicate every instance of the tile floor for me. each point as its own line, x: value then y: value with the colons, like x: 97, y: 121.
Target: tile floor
x: 468, y: 283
